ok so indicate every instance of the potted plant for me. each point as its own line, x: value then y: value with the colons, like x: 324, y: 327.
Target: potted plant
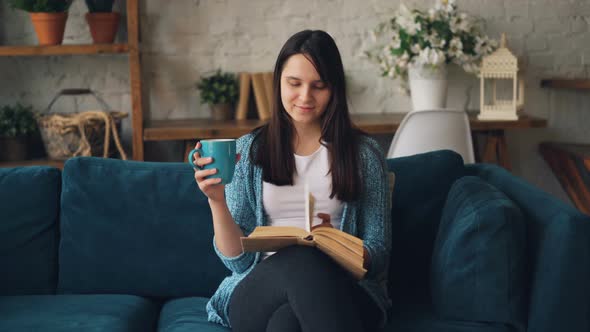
x: 48, y: 16
x: 103, y: 22
x: 17, y: 124
x: 220, y: 91
x: 417, y: 46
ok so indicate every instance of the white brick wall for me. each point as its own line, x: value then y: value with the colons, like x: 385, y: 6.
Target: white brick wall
x: 183, y: 39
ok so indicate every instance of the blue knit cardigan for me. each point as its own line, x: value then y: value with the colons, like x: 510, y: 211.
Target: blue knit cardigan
x: 366, y: 218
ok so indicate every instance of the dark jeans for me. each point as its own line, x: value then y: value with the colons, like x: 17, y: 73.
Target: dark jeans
x: 301, y: 289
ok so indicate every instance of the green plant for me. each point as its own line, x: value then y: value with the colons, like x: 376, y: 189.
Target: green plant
x: 100, y: 6
x: 17, y: 120
x: 219, y: 88
x: 41, y: 6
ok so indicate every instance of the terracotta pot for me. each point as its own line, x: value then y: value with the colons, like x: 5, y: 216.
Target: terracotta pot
x: 14, y: 148
x: 49, y: 27
x: 221, y: 111
x: 103, y: 26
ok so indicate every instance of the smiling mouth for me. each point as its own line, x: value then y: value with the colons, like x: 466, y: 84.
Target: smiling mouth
x: 305, y: 108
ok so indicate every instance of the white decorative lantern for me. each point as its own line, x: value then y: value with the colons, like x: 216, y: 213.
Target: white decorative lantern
x: 497, y: 68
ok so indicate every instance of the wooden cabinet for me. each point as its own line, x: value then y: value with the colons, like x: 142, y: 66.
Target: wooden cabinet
x: 570, y: 162
x: 130, y: 49
x: 571, y: 165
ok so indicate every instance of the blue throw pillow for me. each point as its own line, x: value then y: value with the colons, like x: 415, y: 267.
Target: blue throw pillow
x: 422, y: 183
x: 558, y: 245
x: 479, y: 261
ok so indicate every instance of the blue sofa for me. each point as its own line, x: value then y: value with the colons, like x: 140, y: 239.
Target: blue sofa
x: 111, y: 245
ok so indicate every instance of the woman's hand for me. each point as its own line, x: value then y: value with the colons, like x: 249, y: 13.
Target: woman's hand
x: 325, y: 221
x: 227, y: 232
x: 210, y: 187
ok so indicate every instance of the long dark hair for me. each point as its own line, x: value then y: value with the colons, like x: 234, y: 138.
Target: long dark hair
x: 274, y: 149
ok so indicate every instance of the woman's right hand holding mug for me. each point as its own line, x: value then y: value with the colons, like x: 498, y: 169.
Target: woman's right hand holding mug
x: 210, y: 187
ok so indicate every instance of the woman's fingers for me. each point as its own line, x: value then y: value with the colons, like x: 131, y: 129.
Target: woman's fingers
x: 202, y: 182
x: 325, y: 220
x: 207, y: 186
x: 209, y: 182
x: 200, y: 175
x: 200, y: 162
x: 324, y: 216
x: 196, y: 155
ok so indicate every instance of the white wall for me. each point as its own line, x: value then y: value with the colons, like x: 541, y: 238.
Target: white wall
x: 183, y: 39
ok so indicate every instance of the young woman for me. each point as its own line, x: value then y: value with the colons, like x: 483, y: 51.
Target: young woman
x: 309, y: 141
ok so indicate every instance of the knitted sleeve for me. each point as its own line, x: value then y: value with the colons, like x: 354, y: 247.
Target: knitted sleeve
x: 374, y: 225
x: 237, y: 195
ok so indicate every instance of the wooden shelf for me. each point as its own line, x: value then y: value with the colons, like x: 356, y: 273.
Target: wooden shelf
x: 558, y: 83
x: 131, y: 49
x: 184, y: 129
x: 63, y: 50
x: 37, y: 162
x: 187, y: 129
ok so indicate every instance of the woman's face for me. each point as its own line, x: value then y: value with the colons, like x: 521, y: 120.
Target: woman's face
x: 303, y: 93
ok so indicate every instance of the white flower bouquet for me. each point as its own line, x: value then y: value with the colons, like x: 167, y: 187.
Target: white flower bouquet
x: 443, y: 35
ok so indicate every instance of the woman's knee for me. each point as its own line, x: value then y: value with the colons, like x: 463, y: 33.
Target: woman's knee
x: 283, y: 320
x: 300, y: 265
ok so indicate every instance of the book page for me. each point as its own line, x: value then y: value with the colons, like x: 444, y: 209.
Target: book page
x: 273, y: 238
x: 274, y: 231
x: 309, y: 207
x: 345, y: 239
x: 344, y: 249
x: 353, y: 251
x: 345, y: 257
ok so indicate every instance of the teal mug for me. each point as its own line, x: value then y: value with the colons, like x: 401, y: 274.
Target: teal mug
x: 223, y: 152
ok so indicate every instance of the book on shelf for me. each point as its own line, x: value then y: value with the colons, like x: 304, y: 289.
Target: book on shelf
x: 345, y: 249
x: 262, y: 103
x: 244, y: 100
x: 267, y: 77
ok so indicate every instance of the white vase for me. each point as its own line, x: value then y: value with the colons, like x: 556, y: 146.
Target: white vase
x: 428, y: 86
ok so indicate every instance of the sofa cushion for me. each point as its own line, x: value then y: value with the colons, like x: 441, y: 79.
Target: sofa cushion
x: 65, y: 313
x: 187, y: 315
x: 422, y: 182
x: 136, y: 228
x: 479, y: 260
x: 29, y: 209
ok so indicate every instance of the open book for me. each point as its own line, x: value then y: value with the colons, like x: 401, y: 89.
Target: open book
x: 344, y: 248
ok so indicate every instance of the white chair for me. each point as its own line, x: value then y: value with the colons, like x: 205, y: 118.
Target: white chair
x: 428, y: 130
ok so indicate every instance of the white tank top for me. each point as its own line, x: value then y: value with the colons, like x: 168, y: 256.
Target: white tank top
x: 285, y: 205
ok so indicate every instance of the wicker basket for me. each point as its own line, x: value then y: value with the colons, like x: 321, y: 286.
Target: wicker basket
x: 87, y: 133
